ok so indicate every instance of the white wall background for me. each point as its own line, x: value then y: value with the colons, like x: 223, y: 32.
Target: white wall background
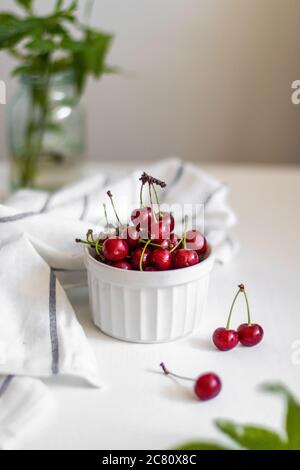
x: 204, y: 79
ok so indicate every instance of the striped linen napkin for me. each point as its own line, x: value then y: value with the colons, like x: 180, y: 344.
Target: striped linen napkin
x: 39, y: 333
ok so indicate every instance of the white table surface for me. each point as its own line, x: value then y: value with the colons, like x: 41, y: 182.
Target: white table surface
x: 139, y: 408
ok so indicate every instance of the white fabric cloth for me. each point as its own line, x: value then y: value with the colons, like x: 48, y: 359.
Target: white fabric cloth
x: 39, y: 333
x: 25, y: 404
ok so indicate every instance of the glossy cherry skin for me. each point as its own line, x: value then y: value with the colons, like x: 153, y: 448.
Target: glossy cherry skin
x: 196, y: 241
x: 136, y: 256
x: 225, y: 339
x: 115, y: 249
x: 171, y: 242
x: 159, y: 231
x: 142, y: 217
x: 131, y: 235
x: 250, y: 335
x: 122, y: 265
x: 207, y: 386
x: 150, y: 268
x: 184, y: 258
x: 167, y: 219
x: 161, y: 259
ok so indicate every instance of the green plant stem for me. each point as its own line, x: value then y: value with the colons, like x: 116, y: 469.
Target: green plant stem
x: 35, y: 131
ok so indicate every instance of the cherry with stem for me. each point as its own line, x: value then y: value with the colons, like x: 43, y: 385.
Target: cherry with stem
x: 226, y: 339
x: 250, y: 334
x: 206, y: 386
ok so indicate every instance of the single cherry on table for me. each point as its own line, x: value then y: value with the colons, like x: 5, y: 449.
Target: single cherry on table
x: 206, y: 386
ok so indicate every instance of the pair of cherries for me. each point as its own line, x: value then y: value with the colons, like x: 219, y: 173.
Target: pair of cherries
x: 248, y: 334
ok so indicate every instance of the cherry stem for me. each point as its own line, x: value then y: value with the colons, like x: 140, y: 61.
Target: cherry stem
x: 167, y: 372
x: 152, y: 244
x: 141, y: 194
x: 177, y: 245
x: 186, y: 219
x: 91, y: 244
x: 78, y: 240
x: 90, y: 234
x: 231, y: 309
x: 142, y: 254
x: 150, y: 186
x: 248, y: 307
x: 113, y: 206
x: 156, y: 197
x: 106, y: 217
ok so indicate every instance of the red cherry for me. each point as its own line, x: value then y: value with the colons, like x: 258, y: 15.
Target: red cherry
x: 150, y: 268
x: 142, y: 217
x: 184, y: 258
x: 171, y: 242
x: 225, y: 339
x: 131, y: 235
x: 115, y: 249
x: 167, y: 219
x: 136, y: 256
x: 159, y: 231
x: 250, y: 334
x: 207, y: 386
x: 122, y: 265
x: 196, y: 241
x: 161, y: 259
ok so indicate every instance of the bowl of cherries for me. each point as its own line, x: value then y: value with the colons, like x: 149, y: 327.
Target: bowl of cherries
x: 147, y: 284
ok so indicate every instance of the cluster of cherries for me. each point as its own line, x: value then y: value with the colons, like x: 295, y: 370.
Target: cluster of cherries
x: 149, y: 243
x: 208, y: 386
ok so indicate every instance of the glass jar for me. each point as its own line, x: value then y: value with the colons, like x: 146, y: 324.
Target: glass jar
x: 46, y: 133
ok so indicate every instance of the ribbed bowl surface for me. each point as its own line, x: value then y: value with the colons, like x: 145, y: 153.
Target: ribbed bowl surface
x: 147, y: 307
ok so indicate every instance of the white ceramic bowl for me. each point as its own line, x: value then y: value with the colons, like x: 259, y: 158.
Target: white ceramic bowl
x: 147, y: 307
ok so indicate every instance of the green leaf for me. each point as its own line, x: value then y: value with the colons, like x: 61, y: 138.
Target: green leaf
x: 251, y: 437
x: 26, y: 5
x: 14, y: 29
x: 41, y: 45
x: 292, y: 421
x: 202, y: 446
